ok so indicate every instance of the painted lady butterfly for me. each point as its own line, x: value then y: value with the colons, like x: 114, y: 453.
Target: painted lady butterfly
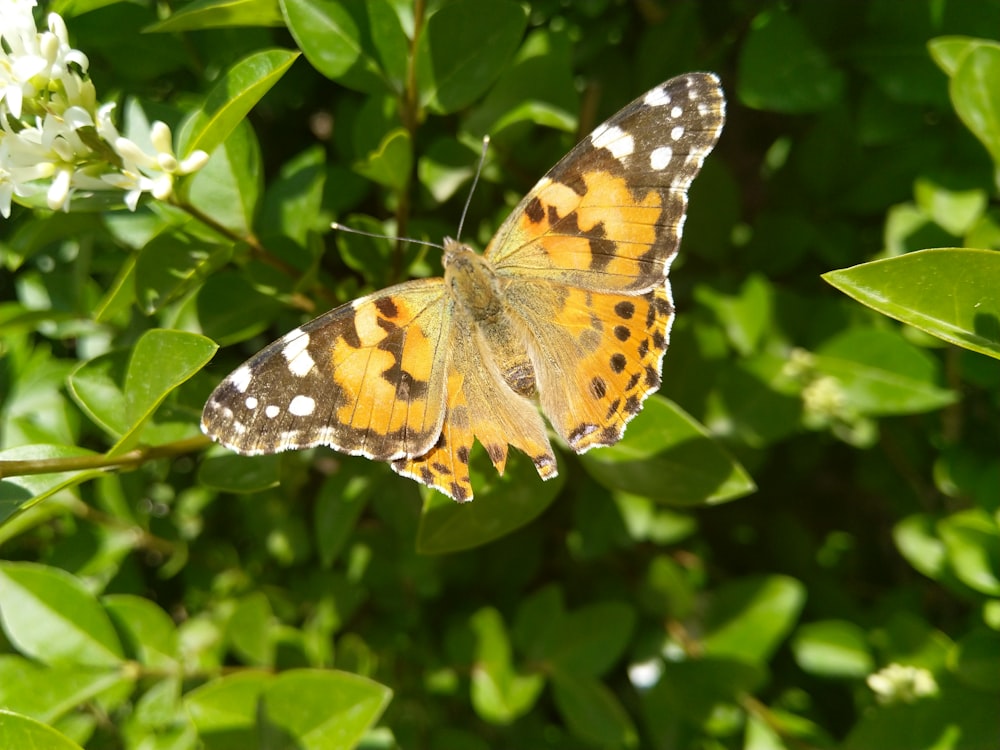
x: 569, y: 308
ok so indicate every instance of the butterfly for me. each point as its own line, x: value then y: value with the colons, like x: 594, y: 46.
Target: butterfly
x: 569, y: 308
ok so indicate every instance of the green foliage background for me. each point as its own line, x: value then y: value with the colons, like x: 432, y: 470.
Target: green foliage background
x: 796, y: 545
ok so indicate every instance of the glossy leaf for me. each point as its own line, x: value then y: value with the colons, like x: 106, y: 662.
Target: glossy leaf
x: 391, y: 162
x: 974, y: 95
x: 228, y: 187
x: 18, y: 493
x: 48, y: 615
x: 464, y: 48
x: 170, y: 266
x: 949, y: 293
x: 499, y: 693
x: 833, y: 648
x: 977, y: 660
x: 879, y: 372
x: 667, y: 456
x: 49, y: 693
x: 235, y: 94
x: 782, y: 69
x: 23, y: 732
x: 335, y: 37
x: 149, y: 634
x: 323, y: 710
x: 213, y: 14
x: 748, y: 619
x: 161, y: 361
x: 972, y: 541
x: 501, y: 505
x: 96, y: 386
x: 227, y: 471
x: 593, y: 638
x: 592, y: 712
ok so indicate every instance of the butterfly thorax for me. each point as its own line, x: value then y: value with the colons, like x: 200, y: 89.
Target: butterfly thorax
x: 471, y: 281
x: 479, y: 294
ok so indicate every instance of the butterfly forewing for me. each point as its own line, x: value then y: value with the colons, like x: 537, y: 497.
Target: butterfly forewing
x: 609, y: 215
x: 367, y: 378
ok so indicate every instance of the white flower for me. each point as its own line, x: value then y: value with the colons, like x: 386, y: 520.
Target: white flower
x: 49, y: 117
x: 902, y: 684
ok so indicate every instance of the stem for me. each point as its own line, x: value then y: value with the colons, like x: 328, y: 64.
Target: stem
x: 410, y: 115
x: 126, y: 461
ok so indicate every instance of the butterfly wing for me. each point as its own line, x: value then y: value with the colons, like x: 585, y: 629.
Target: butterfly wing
x: 480, y: 405
x: 609, y: 215
x: 585, y: 257
x: 367, y: 378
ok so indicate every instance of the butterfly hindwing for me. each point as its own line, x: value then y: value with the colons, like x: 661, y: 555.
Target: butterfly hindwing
x: 366, y: 378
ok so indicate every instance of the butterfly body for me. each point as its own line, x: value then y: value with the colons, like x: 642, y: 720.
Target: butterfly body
x: 568, y: 309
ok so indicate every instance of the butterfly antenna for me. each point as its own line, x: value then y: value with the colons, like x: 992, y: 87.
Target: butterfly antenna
x: 342, y: 228
x: 475, y: 181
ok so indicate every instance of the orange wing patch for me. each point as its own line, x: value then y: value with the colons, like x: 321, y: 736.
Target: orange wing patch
x: 602, y: 358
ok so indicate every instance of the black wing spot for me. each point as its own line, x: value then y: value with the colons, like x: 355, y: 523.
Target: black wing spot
x: 618, y: 362
x: 625, y: 310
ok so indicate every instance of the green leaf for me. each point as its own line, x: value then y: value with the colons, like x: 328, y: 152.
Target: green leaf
x: 317, y: 710
x: 96, y: 386
x: 501, y: 505
x: 949, y: 51
x: 235, y: 94
x: 49, y: 693
x: 24, y: 733
x: 49, y: 615
x: 293, y: 203
x: 749, y: 618
x: 161, y: 361
x: 171, y: 265
x: 593, y: 638
x: 340, y: 502
x: 833, y: 648
x: 976, y: 660
x: 391, y: 162
x: 230, y: 309
x: 335, y: 37
x: 228, y: 187
x: 592, y: 712
x: 224, y: 470
x: 975, y: 95
x: 972, y: 541
x: 323, y: 710
x: 693, y: 693
x: 499, y: 693
x: 879, y: 372
x: 783, y: 70
x: 224, y: 710
x: 464, y: 48
x: 149, y: 634
x: 19, y: 493
x: 955, y: 211
x: 917, y: 540
x: 947, y: 292
x: 220, y: 14
x: 663, y: 441
x: 250, y: 630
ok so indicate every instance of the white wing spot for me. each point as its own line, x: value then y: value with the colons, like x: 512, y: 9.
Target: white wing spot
x: 657, y: 97
x: 660, y: 157
x: 299, y: 361
x: 676, y: 112
x: 302, y: 406
x: 241, y: 379
x: 676, y: 133
x: 271, y: 411
x: 614, y: 139
x: 703, y: 109
x: 251, y: 403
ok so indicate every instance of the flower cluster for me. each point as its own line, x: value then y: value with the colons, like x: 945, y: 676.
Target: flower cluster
x: 55, y: 140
